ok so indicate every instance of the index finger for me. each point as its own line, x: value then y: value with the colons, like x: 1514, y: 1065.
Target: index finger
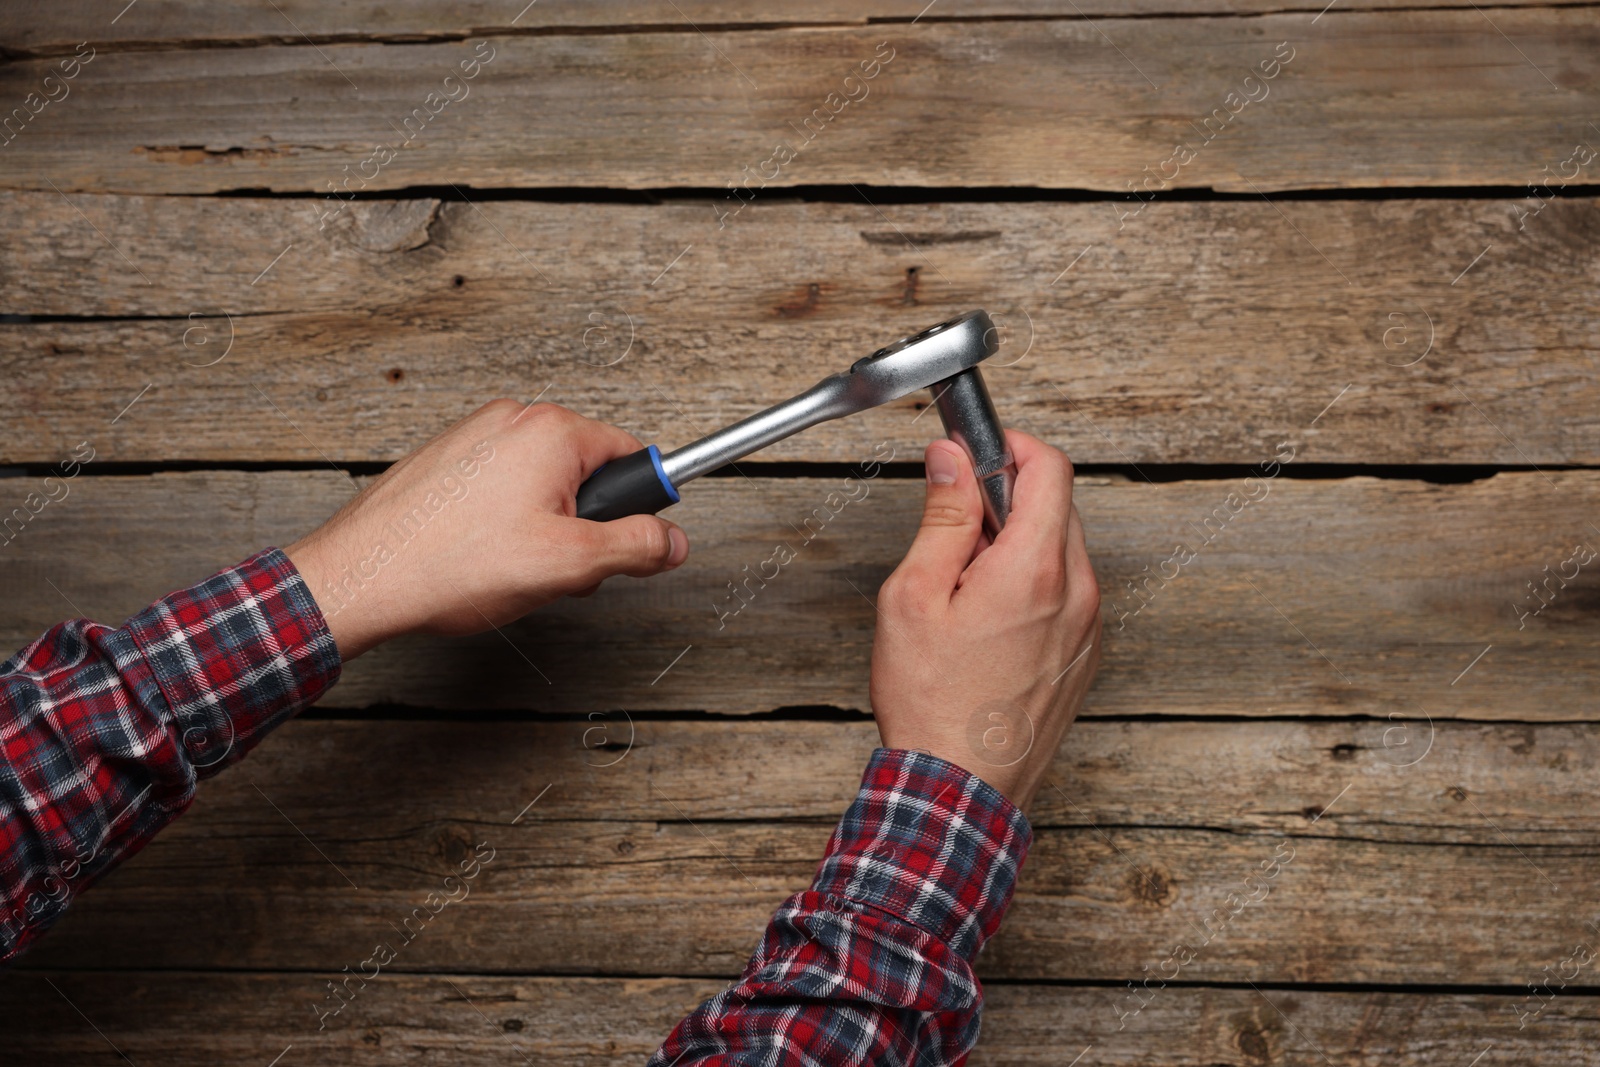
x: 1041, y: 500
x: 591, y: 442
x: 600, y: 442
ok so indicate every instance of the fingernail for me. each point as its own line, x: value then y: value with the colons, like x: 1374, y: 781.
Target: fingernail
x: 942, y: 466
x: 680, y: 546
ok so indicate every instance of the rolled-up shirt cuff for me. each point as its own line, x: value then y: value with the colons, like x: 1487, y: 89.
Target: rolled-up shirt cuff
x: 236, y: 655
x: 931, y: 844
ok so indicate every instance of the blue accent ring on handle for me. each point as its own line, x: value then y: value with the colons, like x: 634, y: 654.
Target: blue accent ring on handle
x: 635, y: 484
x: 655, y: 460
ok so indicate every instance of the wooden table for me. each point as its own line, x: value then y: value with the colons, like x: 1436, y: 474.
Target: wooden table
x: 255, y: 252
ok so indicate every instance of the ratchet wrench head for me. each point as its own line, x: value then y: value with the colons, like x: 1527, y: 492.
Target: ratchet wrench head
x: 922, y: 360
x: 945, y: 358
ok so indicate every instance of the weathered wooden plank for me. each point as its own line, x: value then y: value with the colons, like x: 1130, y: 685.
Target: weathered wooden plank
x: 679, y: 896
x: 1369, y: 99
x: 598, y: 841
x: 205, y: 1019
x: 1245, y: 776
x: 1354, y: 597
x: 1202, y: 332
x: 163, y: 24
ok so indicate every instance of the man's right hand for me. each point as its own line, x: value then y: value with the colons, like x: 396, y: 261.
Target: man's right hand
x: 983, y: 654
x: 476, y: 528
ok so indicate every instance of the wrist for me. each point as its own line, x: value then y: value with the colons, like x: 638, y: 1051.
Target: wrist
x: 357, y: 620
x: 1010, y: 781
x: 991, y: 746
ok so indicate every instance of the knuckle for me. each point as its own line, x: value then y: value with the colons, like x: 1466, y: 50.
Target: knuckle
x: 895, y: 594
x: 1091, y: 598
x: 1062, y: 465
x: 943, y: 511
x: 652, y: 543
x: 1081, y: 572
x: 1083, y: 594
x: 503, y: 405
x: 544, y: 414
x: 906, y: 595
x: 891, y: 593
x: 1057, y: 461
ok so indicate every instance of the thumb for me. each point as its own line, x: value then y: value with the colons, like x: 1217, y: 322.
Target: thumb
x: 638, y: 546
x: 952, y: 521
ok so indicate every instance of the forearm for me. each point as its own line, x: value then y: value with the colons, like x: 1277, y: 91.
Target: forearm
x: 105, y: 732
x: 874, y: 963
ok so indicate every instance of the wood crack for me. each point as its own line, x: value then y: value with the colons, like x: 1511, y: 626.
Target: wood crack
x: 13, y: 53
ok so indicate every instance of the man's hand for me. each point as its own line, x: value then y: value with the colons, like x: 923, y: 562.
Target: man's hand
x: 476, y: 529
x: 983, y: 654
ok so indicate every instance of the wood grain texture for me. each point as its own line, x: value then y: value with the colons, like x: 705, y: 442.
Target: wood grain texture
x: 1199, y: 332
x: 199, y: 1020
x: 1353, y: 597
x: 1241, y: 776
x: 1298, y: 688
x: 1408, y: 98
x: 164, y: 24
x: 671, y: 859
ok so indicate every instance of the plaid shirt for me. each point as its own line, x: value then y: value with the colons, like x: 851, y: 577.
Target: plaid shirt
x: 104, y: 734
x: 873, y: 964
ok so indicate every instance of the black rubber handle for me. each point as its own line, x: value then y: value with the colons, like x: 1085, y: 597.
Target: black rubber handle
x: 632, y: 485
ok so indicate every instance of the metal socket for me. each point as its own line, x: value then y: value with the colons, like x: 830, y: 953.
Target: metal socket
x: 970, y: 420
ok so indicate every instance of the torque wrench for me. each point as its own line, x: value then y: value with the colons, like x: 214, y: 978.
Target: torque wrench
x: 943, y: 358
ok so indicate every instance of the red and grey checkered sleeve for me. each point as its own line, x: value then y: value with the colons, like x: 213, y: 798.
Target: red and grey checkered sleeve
x: 105, y: 732
x: 873, y: 964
